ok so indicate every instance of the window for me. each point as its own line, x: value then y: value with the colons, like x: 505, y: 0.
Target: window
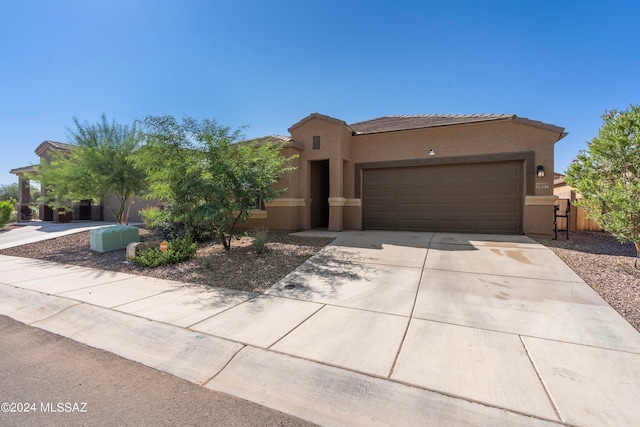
x: 316, y: 142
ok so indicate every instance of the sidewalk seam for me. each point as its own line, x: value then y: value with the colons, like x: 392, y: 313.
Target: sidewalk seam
x: 544, y: 385
x: 413, y: 308
x: 204, y: 383
x: 296, y: 327
x: 54, y: 315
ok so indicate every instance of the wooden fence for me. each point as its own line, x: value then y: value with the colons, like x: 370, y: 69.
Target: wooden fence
x: 577, y: 219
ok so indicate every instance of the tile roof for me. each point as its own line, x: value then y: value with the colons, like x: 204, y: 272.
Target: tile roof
x: 52, y: 144
x: 419, y: 121
x: 280, y: 138
x: 23, y: 170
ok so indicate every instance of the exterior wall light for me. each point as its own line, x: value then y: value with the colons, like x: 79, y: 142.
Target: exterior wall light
x: 540, y: 171
x: 431, y: 152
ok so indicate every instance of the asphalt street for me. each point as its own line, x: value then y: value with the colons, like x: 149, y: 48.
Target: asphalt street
x: 50, y: 380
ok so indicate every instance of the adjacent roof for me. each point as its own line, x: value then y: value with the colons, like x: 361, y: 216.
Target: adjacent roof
x: 52, y: 145
x: 23, y: 170
x: 420, y: 121
x: 276, y: 137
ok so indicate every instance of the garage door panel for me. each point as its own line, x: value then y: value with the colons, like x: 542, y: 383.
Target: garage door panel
x: 425, y: 209
x: 495, y: 209
x: 481, y: 198
x: 455, y: 225
x: 377, y: 209
x: 505, y: 192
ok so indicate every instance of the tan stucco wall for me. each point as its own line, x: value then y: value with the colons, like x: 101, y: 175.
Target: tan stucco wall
x: 459, y: 143
x: 454, y: 141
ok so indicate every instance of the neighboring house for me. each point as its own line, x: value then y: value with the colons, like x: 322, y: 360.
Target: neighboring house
x: 84, y: 210
x: 578, y: 218
x: 480, y: 173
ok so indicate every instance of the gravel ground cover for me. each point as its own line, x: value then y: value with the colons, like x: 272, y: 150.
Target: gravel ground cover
x: 607, y: 266
x: 239, y: 268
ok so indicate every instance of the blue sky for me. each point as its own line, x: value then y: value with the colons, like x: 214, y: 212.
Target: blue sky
x: 267, y: 65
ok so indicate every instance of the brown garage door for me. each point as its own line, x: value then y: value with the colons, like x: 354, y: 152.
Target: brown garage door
x: 465, y: 198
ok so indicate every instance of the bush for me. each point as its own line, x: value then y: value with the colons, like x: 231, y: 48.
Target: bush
x: 259, y: 244
x: 168, y: 225
x: 180, y: 249
x: 6, y: 210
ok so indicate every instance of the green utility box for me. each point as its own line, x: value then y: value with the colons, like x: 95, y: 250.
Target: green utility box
x: 111, y: 238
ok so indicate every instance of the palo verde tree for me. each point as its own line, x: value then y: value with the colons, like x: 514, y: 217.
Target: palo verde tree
x: 209, y: 180
x: 100, y: 164
x: 607, y: 175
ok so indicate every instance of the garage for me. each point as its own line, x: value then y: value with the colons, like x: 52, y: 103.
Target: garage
x: 462, y: 198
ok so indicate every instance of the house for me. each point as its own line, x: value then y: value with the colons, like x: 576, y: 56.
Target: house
x: 84, y: 210
x: 476, y: 173
x: 479, y: 173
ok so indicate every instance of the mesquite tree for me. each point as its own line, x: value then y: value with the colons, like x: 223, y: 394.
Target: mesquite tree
x: 208, y: 180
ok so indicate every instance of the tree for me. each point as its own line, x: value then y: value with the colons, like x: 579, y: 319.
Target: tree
x: 208, y: 180
x: 100, y: 165
x: 607, y: 175
x: 11, y: 192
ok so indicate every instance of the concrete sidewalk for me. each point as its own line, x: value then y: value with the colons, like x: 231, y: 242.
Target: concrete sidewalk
x: 36, y: 231
x: 378, y: 328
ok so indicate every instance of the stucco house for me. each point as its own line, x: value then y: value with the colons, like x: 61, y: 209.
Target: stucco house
x: 479, y: 173
x: 85, y: 210
x: 476, y: 173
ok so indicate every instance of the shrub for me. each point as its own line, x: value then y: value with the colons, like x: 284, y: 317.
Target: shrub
x: 259, y: 244
x: 6, y: 210
x: 167, y: 225
x: 180, y: 249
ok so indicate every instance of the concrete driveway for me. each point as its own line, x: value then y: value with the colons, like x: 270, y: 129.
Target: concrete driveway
x: 377, y: 328
x: 36, y: 231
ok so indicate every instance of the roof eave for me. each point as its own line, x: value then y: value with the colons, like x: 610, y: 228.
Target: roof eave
x: 320, y: 117
x: 49, y: 145
x: 22, y: 170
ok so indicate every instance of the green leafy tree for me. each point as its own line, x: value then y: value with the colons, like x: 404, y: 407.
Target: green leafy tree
x: 607, y: 175
x: 100, y: 165
x: 12, y: 192
x: 208, y: 180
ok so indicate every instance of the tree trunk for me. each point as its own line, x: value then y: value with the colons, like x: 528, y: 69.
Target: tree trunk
x: 637, y: 253
x: 227, y: 243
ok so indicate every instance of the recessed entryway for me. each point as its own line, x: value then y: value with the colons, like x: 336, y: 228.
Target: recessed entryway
x: 319, y: 193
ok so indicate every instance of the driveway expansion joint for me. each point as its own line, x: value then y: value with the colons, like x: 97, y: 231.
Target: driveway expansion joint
x: 542, y: 381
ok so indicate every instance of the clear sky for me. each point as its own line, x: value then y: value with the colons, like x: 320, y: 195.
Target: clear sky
x: 268, y: 64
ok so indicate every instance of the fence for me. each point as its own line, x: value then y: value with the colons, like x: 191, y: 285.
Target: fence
x: 578, y: 220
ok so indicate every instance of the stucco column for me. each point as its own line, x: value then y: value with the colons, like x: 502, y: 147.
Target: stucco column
x: 336, y: 213
x: 24, y: 198
x: 336, y: 199
x: 538, y: 215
